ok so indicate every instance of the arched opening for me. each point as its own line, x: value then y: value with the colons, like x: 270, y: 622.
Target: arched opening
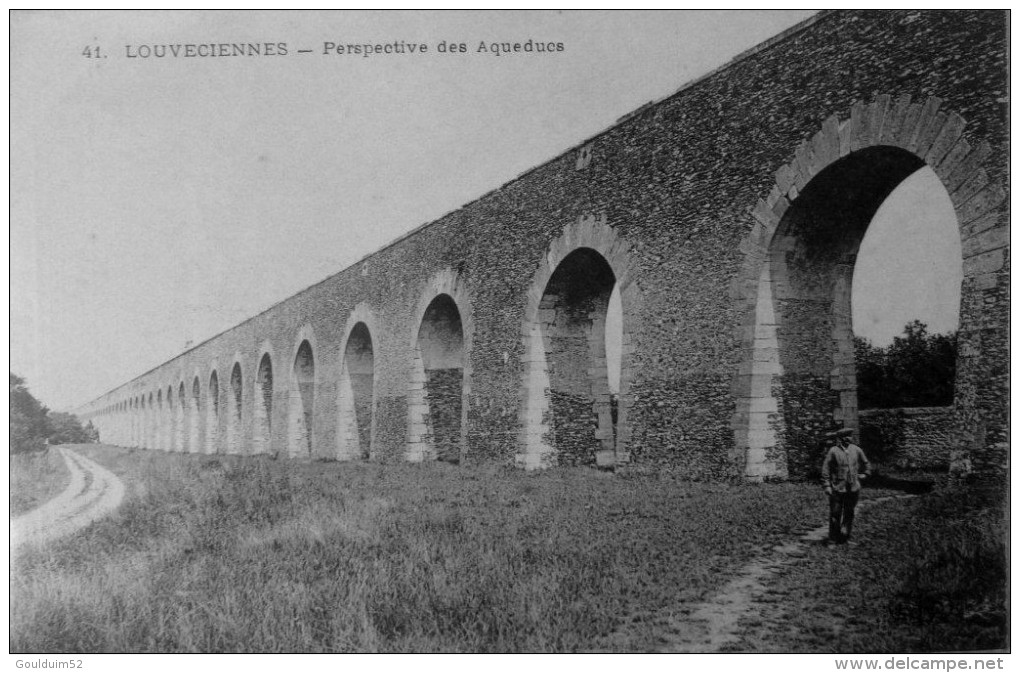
x: 302, y: 402
x: 234, y: 410
x: 570, y: 401
x: 906, y: 298
x: 614, y: 351
x: 168, y: 421
x: 263, y: 415
x: 180, y: 411
x: 194, y: 416
x: 212, y: 414
x: 355, y: 395
x: 438, y: 379
x: 152, y: 420
x: 804, y: 370
x: 132, y: 418
x: 142, y: 423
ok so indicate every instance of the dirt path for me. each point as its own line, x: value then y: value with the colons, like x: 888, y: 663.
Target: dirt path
x: 713, y: 624
x: 93, y: 493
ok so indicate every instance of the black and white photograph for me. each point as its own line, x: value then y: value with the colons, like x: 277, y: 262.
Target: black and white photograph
x: 516, y: 331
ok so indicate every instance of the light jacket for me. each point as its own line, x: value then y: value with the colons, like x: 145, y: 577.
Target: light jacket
x: 841, y: 467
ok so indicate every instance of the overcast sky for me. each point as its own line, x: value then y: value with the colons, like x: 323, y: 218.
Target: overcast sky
x: 157, y: 202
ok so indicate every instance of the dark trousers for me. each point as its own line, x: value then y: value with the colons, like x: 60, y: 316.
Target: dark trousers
x: 841, y: 515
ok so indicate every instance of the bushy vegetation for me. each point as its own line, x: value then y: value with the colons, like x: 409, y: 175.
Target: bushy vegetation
x: 917, y: 369
x: 33, y: 426
x: 67, y: 429
x: 221, y: 553
x: 35, y: 477
x: 30, y: 423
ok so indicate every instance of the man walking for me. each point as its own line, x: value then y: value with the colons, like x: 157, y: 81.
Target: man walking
x: 844, y: 467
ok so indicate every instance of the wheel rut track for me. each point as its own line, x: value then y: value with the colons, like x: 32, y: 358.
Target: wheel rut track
x: 94, y: 492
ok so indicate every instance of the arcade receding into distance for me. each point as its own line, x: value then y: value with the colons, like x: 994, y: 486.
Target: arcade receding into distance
x: 725, y: 218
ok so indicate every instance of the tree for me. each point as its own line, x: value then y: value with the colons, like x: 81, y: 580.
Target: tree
x: 32, y: 424
x: 91, y: 433
x: 67, y: 429
x: 29, y: 420
x: 917, y: 369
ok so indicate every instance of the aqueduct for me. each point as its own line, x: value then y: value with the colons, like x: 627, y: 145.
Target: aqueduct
x: 727, y: 217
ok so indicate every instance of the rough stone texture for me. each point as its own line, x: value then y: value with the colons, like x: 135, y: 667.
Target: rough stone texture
x: 362, y: 388
x: 443, y: 391
x: 687, y: 200
x: 911, y: 438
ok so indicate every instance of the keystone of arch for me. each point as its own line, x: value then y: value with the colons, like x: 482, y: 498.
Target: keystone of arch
x: 934, y: 136
x: 926, y: 130
x: 293, y: 395
x: 588, y: 231
x: 449, y: 282
x: 362, y: 312
x: 306, y: 333
x: 346, y: 420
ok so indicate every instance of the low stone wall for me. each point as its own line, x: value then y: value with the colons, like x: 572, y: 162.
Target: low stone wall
x: 913, y: 438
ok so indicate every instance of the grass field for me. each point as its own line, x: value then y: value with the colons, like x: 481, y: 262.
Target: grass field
x: 35, y: 478
x: 229, y: 554
x: 929, y: 576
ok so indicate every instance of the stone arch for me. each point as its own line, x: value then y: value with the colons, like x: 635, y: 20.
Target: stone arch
x: 142, y: 422
x: 168, y: 420
x: 212, y: 411
x: 356, y: 387
x: 304, y: 380
x: 564, y: 319
x: 235, y: 406
x: 160, y: 421
x: 180, y: 419
x: 195, y: 444
x: 132, y: 421
x: 262, y: 402
x: 150, y: 424
x: 163, y: 425
x: 440, y: 382
x: 782, y: 401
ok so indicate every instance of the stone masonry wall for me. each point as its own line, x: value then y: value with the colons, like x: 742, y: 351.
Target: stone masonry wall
x: 910, y: 438
x: 443, y: 390
x: 683, y: 184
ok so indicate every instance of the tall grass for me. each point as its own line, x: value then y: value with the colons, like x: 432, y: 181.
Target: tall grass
x: 36, y: 477
x: 229, y: 554
x: 956, y: 579
x: 929, y: 575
